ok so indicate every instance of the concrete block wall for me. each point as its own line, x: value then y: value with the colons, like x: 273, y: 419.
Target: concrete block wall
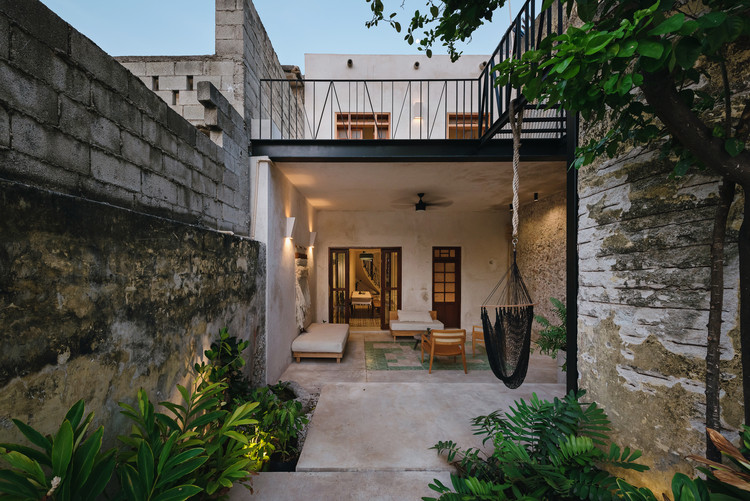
x: 244, y: 55
x: 74, y: 120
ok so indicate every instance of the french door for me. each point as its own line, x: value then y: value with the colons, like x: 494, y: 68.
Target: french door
x: 446, y: 285
x: 390, y: 280
x: 338, y: 286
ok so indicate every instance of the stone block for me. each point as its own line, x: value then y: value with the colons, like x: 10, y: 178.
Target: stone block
x: 234, y: 216
x: 16, y: 165
x: 229, y: 17
x: 229, y: 47
x: 137, y: 68
x: 189, y: 156
x: 113, y: 106
x: 144, y: 98
x: 188, y: 97
x: 4, y: 127
x: 105, y: 133
x: 135, y: 150
x: 159, y: 68
x: 214, y: 80
x: 160, y: 188
x: 105, y: 192
x: 221, y: 67
x: 228, y: 32
x: 188, y: 67
x: 167, y: 141
x: 212, y: 208
x: 176, y: 171
x: 227, y: 195
x: 203, y: 144
x: 91, y: 57
x: 173, y: 83
x: 41, y: 22
x: 4, y: 38
x: 76, y: 119
x: 110, y: 169
x: 165, y: 95
x: 181, y: 128
x: 193, y: 112
x: 49, y: 144
x: 190, y: 200
x: 214, y: 169
x: 226, y: 4
x: 203, y: 185
x: 231, y: 180
x: 27, y: 95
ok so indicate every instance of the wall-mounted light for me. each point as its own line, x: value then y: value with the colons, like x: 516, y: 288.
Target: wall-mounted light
x: 416, y: 65
x: 313, y: 234
x: 417, y: 110
x: 536, y: 196
x: 289, y: 227
x: 349, y: 63
x: 511, y: 207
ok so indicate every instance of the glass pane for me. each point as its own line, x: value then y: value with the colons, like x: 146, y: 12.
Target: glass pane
x: 394, y: 301
x: 450, y: 277
x: 440, y: 267
x: 450, y: 266
x: 437, y: 252
x: 342, y: 133
x: 449, y: 287
x: 453, y: 253
x: 439, y: 277
x: 439, y: 298
x: 341, y: 271
x: 356, y: 134
x: 450, y: 298
x: 441, y: 287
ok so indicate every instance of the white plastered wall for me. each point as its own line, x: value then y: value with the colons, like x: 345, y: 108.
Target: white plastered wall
x: 482, y: 237
x: 275, y: 199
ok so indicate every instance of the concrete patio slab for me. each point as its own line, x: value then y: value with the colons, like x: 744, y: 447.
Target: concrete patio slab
x: 391, y: 426
x: 341, y: 486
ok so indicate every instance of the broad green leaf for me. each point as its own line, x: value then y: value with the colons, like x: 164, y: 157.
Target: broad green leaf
x: 62, y: 450
x: 145, y: 464
x: 628, y: 48
x: 734, y: 146
x: 25, y: 464
x: 669, y: 25
x: 85, y: 455
x: 100, y: 475
x: 597, y: 43
x: 689, y: 27
x: 650, y: 48
x: 687, y: 52
x: 179, y: 493
x: 682, y: 166
x: 34, y: 454
x: 75, y: 413
x: 18, y: 485
x: 180, y: 470
x: 563, y: 65
x: 626, y: 83
x: 34, y: 436
x: 712, y: 19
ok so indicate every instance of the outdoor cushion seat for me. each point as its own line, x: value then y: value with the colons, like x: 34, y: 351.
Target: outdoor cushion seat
x: 321, y: 341
x: 410, y: 323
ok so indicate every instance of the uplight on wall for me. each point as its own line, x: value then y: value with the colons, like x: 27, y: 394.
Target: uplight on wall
x: 289, y: 228
x: 417, y: 110
x: 313, y: 234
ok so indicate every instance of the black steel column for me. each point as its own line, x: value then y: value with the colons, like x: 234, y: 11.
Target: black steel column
x: 571, y: 254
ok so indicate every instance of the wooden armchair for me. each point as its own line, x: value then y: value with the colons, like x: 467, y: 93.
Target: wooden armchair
x: 447, y: 342
x: 477, y: 336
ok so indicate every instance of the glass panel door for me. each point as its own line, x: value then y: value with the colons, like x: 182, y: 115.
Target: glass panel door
x: 446, y: 285
x: 390, y: 284
x: 338, y: 285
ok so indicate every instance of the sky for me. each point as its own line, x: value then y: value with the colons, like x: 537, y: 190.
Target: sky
x: 295, y: 27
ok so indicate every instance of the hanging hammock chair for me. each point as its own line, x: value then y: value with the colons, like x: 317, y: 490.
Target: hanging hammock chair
x: 508, y: 311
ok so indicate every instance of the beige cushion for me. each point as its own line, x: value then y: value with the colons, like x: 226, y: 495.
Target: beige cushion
x: 322, y: 338
x: 398, y: 325
x: 414, y: 316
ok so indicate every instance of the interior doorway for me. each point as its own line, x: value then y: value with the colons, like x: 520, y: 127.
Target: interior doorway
x: 364, y: 285
x: 446, y: 285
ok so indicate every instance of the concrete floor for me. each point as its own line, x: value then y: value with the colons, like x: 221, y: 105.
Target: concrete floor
x: 370, y: 435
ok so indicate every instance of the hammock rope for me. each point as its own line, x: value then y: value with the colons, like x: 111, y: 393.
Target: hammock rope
x: 508, y: 338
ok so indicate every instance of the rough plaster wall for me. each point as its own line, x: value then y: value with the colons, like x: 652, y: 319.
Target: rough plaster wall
x: 98, y: 301
x: 541, y: 253
x: 643, y: 307
x: 482, y: 237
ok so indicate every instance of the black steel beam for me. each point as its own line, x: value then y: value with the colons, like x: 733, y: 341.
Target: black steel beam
x: 571, y: 256
x: 403, y: 150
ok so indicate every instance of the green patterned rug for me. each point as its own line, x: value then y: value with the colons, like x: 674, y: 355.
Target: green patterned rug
x: 401, y: 356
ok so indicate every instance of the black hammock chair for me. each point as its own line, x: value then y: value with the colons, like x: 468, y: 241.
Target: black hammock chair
x: 508, y: 338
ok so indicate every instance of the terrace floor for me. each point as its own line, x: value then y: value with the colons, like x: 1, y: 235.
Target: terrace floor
x: 370, y: 435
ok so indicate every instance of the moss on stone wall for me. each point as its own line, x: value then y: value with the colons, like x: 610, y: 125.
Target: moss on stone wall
x: 97, y: 301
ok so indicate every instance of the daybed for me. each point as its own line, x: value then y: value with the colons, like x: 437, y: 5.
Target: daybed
x: 321, y: 341
x: 411, y: 323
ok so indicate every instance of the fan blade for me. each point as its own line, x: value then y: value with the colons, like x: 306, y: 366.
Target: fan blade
x: 445, y: 203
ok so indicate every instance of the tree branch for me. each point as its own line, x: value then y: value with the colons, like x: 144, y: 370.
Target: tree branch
x: 683, y: 124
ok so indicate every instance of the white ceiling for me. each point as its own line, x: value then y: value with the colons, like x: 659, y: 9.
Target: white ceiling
x: 470, y: 186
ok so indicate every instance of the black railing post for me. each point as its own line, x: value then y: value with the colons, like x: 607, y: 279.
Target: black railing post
x: 571, y: 255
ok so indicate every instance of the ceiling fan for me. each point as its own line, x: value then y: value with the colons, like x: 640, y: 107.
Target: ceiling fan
x: 422, y: 205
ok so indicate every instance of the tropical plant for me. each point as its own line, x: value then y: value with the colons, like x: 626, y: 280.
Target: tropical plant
x: 733, y: 478
x: 281, y: 419
x: 225, y: 365
x: 553, y: 338
x: 64, y: 466
x: 542, y: 450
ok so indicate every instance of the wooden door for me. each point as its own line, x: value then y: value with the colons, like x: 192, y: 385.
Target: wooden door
x: 390, y: 283
x: 446, y: 285
x: 338, y: 286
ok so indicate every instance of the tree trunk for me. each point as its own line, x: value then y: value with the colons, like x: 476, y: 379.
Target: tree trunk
x: 744, y: 250
x: 713, y: 353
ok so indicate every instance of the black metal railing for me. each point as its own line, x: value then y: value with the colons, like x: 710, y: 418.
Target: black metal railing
x: 467, y: 108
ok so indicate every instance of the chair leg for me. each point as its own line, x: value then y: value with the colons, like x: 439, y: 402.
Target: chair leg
x: 473, y: 347
x: 463, y: 357
x: 432, y: 357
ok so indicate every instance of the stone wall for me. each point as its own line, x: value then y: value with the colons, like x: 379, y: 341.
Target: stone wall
x: 244, y: 55
x: 541, y: 253
x: 112, y: 276
x: 643, y: 307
